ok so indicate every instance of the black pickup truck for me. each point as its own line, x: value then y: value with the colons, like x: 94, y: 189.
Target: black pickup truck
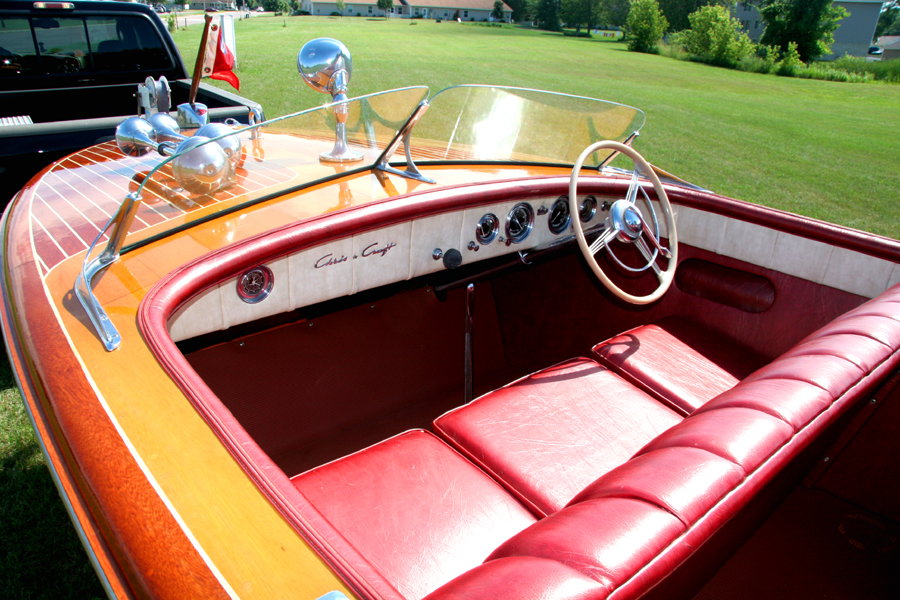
x: 69, y: 73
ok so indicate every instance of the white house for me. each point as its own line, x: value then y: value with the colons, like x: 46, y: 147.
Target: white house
x: 468, y: 10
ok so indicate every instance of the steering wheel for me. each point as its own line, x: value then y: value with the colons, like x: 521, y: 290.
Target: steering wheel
x: 626, y: 223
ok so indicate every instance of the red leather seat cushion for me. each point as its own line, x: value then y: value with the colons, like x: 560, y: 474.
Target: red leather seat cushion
x: 548, y: 435
x: 678, y: 362
x: 415, y: 509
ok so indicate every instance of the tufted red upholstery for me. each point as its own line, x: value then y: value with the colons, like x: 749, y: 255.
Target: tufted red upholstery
x: 678, y: 361
x: 436, y: 517
x: 632, y: 527
x: 415, y: 509
x: 548, y: 435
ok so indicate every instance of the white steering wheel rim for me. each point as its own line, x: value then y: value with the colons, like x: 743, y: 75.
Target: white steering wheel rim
x: 666, y: 277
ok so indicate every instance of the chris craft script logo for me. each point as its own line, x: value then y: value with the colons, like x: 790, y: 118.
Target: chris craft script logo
x: 374, y: 249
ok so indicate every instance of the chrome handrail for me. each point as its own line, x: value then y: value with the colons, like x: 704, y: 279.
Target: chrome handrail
x: 120, y: 223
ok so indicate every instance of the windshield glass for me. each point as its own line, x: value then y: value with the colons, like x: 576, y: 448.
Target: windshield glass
x: 500, y: 124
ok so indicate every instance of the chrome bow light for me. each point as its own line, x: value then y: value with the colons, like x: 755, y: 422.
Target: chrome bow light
x: 326, y: 67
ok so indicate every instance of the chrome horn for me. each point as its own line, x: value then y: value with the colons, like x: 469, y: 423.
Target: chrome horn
x: 137, y: 137
x: 326, y: 67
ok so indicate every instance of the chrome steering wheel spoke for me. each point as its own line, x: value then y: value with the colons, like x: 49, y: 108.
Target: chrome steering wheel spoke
x: 645, y: 251
x: 606, y: 237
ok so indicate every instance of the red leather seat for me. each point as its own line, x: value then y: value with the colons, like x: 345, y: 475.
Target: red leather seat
x: 678, y: 362
x: 415, y: 509
x: 548, y: 435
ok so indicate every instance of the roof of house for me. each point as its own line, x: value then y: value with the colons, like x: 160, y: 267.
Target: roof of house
x: 887, y: 40
x: 455, y: 4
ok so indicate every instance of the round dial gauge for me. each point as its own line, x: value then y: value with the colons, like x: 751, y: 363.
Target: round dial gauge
x: 487, y: 228
x: 559, y: 218
x: 588, y: 209
x: 519, y: 222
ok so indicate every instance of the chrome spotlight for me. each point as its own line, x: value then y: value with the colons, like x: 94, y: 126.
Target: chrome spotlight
x: 326, y: 66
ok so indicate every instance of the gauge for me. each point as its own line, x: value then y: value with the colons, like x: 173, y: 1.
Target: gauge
x: 559, y: 217
x: 487, y: 228
x: 588, y: 209
x: 519, y: 222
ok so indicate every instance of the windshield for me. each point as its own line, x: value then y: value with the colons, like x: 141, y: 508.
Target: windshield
x: 499, y: 124
x: 465, y: 123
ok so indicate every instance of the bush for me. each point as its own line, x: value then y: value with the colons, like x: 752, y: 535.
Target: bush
x: 881, y: 70
x: 829, y: 73
x: 790, y: 62
x: 334, y: 13
x: 581, y: 34
x: 715, y: 37
x: 645, y: 26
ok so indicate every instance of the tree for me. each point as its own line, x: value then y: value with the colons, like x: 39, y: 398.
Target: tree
x: 385, y: 6
x: 580, y: 13
x: 546, y: 13
x: 715, y: 37
x: 613, y: 12
x: 678, y: 12
x: 341, y: 6
x: 281, y: 6
x: 497, y: 13
x: 888, y: 21
x: 519, y: 9
x: 645, y: 25
x: 808, y: 23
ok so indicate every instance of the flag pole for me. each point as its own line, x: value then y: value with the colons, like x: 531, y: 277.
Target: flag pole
x: 198, y: 67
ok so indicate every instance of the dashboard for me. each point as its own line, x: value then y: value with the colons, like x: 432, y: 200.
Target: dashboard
x: 383, y: 256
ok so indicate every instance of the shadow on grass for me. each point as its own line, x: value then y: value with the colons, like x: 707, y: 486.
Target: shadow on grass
x: 40, y: 553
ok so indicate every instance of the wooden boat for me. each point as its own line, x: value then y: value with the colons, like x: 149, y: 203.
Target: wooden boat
x: 495, y: 366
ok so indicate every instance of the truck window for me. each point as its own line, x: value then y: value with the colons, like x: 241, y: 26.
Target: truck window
x: 38, y: 46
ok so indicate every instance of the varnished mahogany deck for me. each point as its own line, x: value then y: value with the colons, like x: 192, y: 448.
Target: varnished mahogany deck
x: 76, y: 198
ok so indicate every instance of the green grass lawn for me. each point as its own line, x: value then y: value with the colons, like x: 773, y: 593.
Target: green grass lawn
x: 827, y: 150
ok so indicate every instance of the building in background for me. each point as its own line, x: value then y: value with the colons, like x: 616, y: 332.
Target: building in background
x: 853, y: 36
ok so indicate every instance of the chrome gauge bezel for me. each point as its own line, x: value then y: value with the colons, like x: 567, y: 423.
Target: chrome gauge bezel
x: 519, y: 212
x: 559, y: 218
x: 255, y: 285
x: 587, y: 209
x: 487, y: 228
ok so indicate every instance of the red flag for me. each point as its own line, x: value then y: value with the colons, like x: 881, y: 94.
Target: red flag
x: 218, y: 58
